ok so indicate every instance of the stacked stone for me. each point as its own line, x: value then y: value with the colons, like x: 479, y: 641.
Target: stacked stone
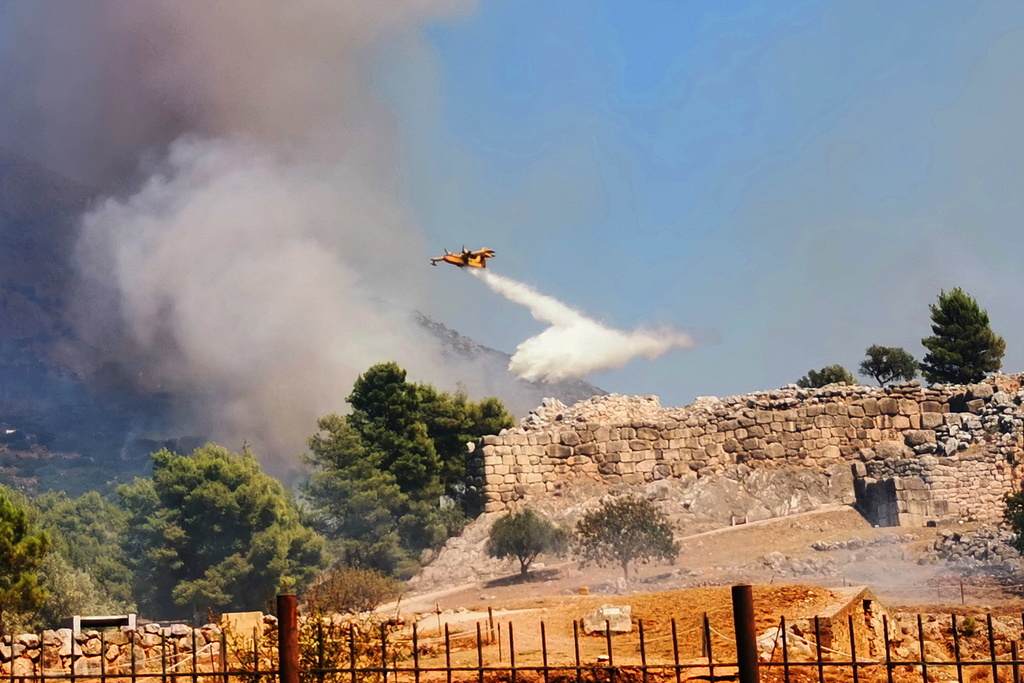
x: 983, y: 547
x: 904, y: 431
x: 52, y: 651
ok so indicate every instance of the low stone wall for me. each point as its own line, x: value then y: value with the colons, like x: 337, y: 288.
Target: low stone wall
x: 113, y: 651
x: 945, y: 451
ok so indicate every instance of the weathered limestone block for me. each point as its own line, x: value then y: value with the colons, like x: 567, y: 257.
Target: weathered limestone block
x: 909, y: 407
x: 569, y: 437
x: 888, y: 406
x: 918, y: 437
x: 555, y: 450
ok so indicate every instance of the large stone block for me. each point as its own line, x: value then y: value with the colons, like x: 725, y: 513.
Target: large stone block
x: 888, y: 406
x: 569, y: 437
x: 909, y: 407
x: 557, y: 451
x: 870, y: 406
x: 917, y: 437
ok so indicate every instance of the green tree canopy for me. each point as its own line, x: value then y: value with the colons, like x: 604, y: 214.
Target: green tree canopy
x: 830, y: 374
x: 389, y: 478
x: 88, y: 532
x: 212, y: 530
x: 1013, y: 514
x: 963, y: 348
x: 524, y: 535
x: 887, y: 364
x: 22, y: 551
x: 623, y: 531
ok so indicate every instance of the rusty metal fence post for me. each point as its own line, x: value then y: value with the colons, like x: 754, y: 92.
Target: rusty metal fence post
x: 746, y: 636
x: 287, y: 639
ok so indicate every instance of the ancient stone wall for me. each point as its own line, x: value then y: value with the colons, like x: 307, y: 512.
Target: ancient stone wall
x: 928, y: 453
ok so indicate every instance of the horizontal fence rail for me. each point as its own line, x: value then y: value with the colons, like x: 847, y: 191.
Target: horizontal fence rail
x: 700, y: 647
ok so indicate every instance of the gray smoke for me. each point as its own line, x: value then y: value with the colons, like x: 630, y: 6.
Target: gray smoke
x: 261, y: 258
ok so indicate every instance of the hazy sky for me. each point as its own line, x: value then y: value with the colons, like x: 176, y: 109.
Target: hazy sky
x: 791, y: 181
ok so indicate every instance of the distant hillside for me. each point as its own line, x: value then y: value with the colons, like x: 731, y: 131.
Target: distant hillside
x: 54, y: 418
x: 491, y: 367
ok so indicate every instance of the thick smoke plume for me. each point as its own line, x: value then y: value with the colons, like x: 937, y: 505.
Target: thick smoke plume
x: 254, y: 255
x: 575, y: 345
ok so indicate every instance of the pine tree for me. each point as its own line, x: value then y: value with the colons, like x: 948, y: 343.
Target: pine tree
x: 888, y: 364
x: 963, y: 348
x: 22, y: 551
x: 211, y: 530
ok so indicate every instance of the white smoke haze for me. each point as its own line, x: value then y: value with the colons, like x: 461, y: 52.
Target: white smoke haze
x: 242, y: 278
x: 574, y: 345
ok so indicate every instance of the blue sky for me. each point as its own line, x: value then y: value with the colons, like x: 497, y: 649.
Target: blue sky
x: 791, y: 181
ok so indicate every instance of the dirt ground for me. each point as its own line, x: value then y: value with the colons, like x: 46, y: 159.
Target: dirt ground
x: 728, y: 556
x: 524, y: 617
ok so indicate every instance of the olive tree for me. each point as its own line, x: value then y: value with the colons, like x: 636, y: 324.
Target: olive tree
x: 524, y: 535
x: 624, y: 531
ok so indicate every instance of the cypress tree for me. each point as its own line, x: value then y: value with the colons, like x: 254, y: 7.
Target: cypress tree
x: 963, y: 348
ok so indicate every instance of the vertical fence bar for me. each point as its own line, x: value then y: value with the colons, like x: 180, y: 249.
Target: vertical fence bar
x: 74, y: 646
x: 415, y: 654
x: 785, y: 650
x: 675, y: 651
x: 500, y: 660
x: 956, y: 650
x: 490, y: 624
x: 853, y: 649
x: 131, y: 649
x: 195, y: 659
x: 479, y: 655
x: 992, y: 649
x: 511, y: 653
x: 103, y: 657
x: 224, y: 656
x: 707, y: 644
x: 746, y: 635
x: 544, y: 650
x: 352, y: 650
x: 163, y: 654
x: 447, y: 652
x: 608, y: 642
x: 817, y: 649
x: 920, y: 643
x: 576, y: 649
x: 643, y: 651
x: 888, y: 654
x: 384, y: 650
x: 42, y: 659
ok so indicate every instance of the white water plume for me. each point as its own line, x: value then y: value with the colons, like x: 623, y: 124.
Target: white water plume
x: 574, y: 345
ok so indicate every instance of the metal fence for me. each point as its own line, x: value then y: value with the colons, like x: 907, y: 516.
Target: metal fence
x: 301, y: 653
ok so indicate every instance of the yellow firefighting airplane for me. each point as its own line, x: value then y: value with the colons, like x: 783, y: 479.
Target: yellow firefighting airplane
x: 473, y: 259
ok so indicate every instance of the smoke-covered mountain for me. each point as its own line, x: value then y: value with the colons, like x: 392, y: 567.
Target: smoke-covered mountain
x: 66, y: 405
